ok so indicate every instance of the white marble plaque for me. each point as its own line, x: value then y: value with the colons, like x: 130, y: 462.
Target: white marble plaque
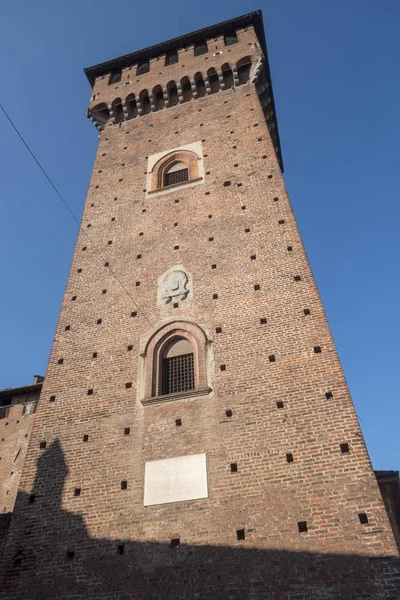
x: 175, y: 479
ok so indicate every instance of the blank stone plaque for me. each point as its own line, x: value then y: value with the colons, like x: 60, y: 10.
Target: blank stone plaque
x: 175, y: 479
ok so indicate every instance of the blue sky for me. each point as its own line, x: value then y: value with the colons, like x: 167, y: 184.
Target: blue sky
x: 336, y: 83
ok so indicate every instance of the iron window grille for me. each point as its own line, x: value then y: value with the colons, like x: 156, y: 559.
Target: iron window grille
x: 177, y: 374
x: 176, y: 177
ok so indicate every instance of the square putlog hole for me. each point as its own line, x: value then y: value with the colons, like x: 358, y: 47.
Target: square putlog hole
x: 240, y: 534
x: 228, y: 413
x: 302, y: 526
x: 175, y: 543
x: 344, y: 448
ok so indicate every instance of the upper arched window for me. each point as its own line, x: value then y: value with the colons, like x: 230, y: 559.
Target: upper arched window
x: 177, y: 173
x: 177, y: 167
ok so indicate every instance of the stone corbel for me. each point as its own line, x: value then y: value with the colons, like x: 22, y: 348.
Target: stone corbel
x: 165, y: 94
x: 139, y: 106
x: 207, y: 83
x: 194, y: 89
x: 180, y: 93
x: 221, y: 80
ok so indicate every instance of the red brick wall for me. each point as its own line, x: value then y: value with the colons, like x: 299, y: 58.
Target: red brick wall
x: 267, y: 497
x: 15, y: 431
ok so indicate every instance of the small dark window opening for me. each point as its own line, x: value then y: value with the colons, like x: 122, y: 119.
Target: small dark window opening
x: 143, y: 67
x: 279, y: 404
x: 363, y: 518
x: 115, y: 77
x: 344, y: 448
x: 230, y: 38
x: 228, y: 412
x: 289, y: 457
x: 31, y: 499
x: 174, y: 177
x: 178, y: 422
x: 171, y: 58
x: 124, y: 485
x: 302, y: 525
x: 85, y: 438
x: 120, y: 549
x: 234, y: 468
x: 240, y: 534
x: 200, y: 48
x: 177, y: 374
x: 175, y: 543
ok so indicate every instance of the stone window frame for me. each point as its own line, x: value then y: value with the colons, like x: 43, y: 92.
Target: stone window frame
x: 150, y: 380
x: 190, y: 155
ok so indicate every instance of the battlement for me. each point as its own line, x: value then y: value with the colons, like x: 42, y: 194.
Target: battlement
x: 218, y: 58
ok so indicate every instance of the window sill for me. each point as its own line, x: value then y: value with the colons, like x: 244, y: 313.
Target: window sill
x: 168, y: 188
x: 172, y: 397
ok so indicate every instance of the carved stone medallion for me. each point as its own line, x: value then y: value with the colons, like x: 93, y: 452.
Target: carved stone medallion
x: 175, y: 286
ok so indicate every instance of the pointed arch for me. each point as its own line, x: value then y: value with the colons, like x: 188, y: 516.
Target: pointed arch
x: 213, y: 80
x: 227, y: 75
x: 186, y: 89
x: 158, y: 96
x: 145, y: 102
x: 131, y: 106
x: 200, y: 85
x: 172, y: 90
x: 117, y: 110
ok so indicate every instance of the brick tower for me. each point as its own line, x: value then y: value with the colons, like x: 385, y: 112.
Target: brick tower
x: 195, y: 437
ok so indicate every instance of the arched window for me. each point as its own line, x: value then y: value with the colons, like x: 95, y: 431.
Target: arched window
x: 175, y: 168
x: 176, y: 361
x: 176, y: 173
x: 176, y: 370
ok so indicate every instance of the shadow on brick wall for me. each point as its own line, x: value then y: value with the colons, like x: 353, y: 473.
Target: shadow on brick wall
x: 48, y: 554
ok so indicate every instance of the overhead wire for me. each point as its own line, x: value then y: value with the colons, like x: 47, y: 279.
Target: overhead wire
x: 137, y: 306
